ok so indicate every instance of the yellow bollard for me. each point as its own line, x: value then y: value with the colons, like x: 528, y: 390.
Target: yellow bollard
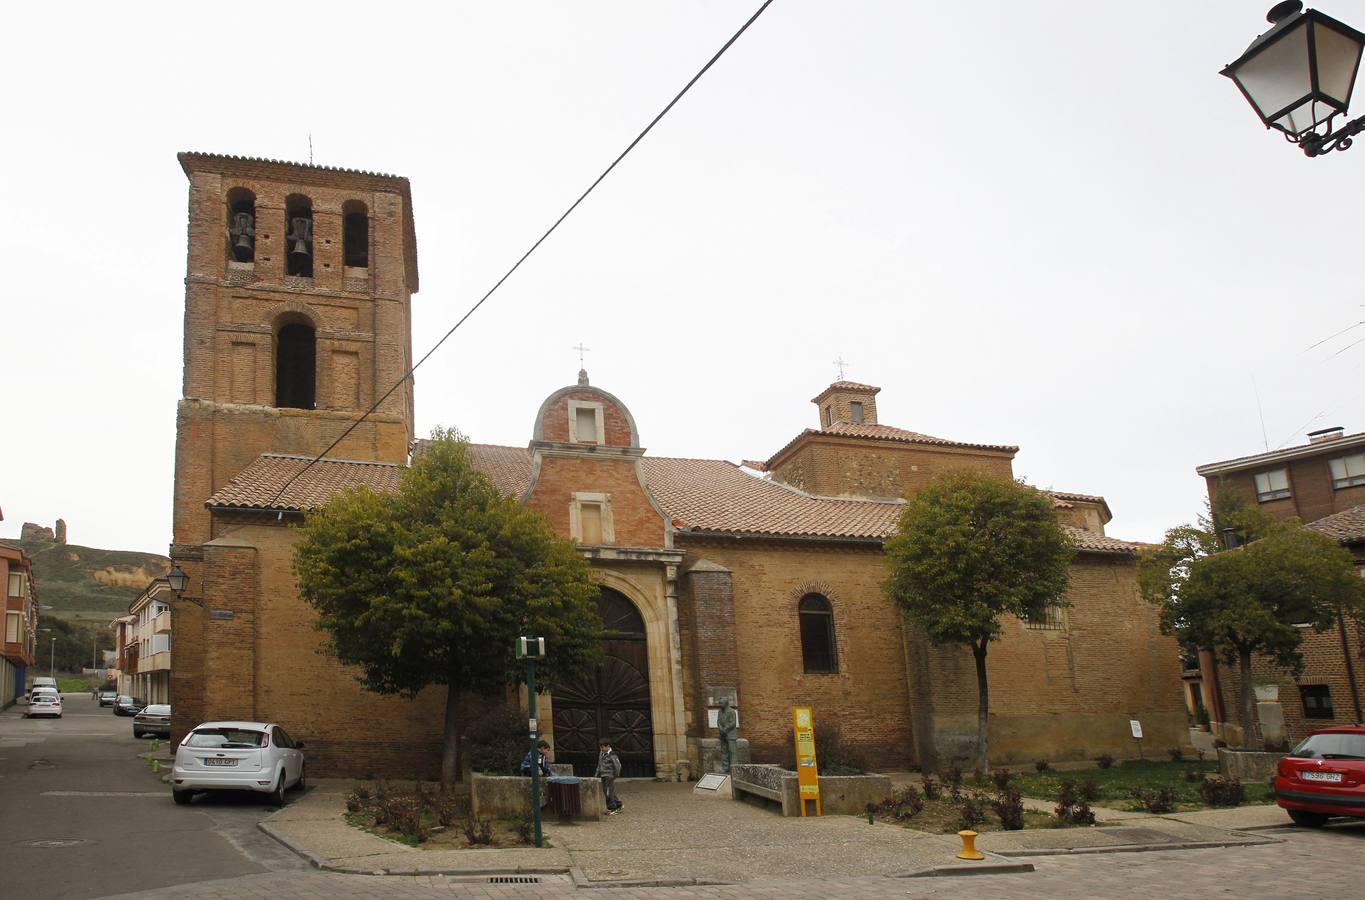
x: 969, y: 850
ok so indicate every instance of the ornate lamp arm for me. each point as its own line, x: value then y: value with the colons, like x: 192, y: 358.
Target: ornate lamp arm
x: 1317, y: 145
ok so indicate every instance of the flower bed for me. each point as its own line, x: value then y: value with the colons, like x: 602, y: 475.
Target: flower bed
x: 430, y: 818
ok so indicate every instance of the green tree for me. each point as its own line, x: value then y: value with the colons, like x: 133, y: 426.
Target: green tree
x: 1250, y: 600
x: 432, y: 585
x: 970, y: 549
x: 78, y: 645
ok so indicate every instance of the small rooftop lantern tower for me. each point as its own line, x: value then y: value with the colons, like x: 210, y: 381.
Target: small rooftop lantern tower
x: 1299, y: 76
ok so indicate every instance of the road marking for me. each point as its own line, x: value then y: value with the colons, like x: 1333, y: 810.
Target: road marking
x: 104, y: 793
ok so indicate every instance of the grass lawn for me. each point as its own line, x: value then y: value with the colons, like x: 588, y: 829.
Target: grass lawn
x: 74, y: 684
x: 944, y: 816
x: 1116, y: 782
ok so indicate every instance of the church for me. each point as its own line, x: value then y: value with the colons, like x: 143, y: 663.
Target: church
x: 759, y: 582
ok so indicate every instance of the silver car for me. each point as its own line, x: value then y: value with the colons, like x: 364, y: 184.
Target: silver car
x: 44, y: 702
x: 237, y: 756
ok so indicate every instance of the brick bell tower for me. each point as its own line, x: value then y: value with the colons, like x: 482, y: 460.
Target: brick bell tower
x: 297, y: 317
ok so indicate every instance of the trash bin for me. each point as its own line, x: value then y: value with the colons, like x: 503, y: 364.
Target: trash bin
x: 565, y: 796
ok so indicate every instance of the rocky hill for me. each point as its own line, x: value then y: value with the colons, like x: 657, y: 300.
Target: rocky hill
x: 85, y: 582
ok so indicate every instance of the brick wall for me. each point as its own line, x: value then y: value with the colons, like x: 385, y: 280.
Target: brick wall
x: 615, y: 424
x: 835, y: 467
x: 706, y: 625
x: 637, y: 523
x: 1310, y: 483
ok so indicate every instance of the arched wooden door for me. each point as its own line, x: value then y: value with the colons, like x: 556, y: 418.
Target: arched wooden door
x: 612, y: 701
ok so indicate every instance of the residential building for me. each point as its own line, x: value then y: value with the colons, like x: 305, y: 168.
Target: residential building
x: 759, y: 583
x: 1321, y: 483
x: 21, y: 623
x: 145, y: 638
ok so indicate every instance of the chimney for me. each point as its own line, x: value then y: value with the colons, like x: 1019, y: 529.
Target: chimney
x: 1325, y: 434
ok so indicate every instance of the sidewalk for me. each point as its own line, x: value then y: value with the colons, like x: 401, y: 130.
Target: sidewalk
x: 667, y: 836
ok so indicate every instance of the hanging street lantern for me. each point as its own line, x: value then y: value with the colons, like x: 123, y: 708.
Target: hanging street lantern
x: 1299, y: 75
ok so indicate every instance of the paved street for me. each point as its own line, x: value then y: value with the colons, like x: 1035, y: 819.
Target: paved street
x: 78, y: 780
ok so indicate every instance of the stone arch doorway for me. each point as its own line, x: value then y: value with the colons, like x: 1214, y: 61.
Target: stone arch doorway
x: 611, y: 701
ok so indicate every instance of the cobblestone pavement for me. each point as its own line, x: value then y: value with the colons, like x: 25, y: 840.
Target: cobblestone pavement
x: 1328, y: 863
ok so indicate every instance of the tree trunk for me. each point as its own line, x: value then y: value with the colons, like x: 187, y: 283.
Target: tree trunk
x: 450, y: 741
x: 982, y: 707
x: 1251, y: 731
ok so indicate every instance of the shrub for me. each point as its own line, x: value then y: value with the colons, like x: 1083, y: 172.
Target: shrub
x: 1009, y: 806
x: 526, y: 830
x: 952, y: 778
x: 932, y: 789
x: 1043, y: 765
x: 973, y: 814
x: 354, y: 803
x: 903, y: 804
x: 1001, y: 779
x: 1066, y: 793
x: 1160, y: 800
x: 1176, y: 754
x: 478, y: 830
x: 496, y: 741
x: 1076, y: 814
x: 449, y: 808
x: 1222, y: 792
x: 1088, y: 790
x: 1194, y: 775
x: 1105, y: 760
x: 361, y: 792
x: 403, y: 815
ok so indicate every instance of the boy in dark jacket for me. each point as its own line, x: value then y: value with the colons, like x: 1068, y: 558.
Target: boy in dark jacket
x: 608, y: 768
x: 544, y: 750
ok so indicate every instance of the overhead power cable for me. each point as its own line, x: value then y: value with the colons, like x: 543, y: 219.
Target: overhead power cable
x: 508, y: 274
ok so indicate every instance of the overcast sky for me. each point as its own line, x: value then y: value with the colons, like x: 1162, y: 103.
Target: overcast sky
x: 1054, y: 226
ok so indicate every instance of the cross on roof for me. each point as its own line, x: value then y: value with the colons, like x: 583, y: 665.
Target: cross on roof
x: 581, y: 350
x: 841, y: 362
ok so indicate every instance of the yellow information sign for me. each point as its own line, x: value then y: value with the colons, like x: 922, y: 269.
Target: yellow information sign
x: 808, y: 782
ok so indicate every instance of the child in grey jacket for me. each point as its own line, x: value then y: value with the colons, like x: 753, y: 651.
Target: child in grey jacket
x: 608, y: 768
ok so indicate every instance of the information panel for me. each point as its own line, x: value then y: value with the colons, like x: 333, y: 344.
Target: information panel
x: 807, y: 780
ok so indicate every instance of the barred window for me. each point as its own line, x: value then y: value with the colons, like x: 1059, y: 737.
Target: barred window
x: 1046, y: 618
x: 1317, y: 701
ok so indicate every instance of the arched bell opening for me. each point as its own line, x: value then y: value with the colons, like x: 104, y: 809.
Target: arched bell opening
x: 241, y: 225
x: 298, y: 236
x: 355, y: 235
x: 613, y: 701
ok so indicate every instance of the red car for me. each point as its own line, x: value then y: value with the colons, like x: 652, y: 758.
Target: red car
x: 1323, y: 777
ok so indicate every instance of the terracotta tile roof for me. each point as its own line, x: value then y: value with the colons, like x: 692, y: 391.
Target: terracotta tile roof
x: 701, y: 496
x: 846, y: 386
x: 1346, y: 527
x: 509, y: 467
x: 884, y: 433
x: 255, y: 486
x: 712, y: 495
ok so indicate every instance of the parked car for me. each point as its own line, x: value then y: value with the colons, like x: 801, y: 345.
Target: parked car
x: 44, y: 702
x: 1324, y: 776
x: 42, y: 681
x: 237, y: 756
x: 127, y: 705
x: 108, y: 697
x: 155, y: 720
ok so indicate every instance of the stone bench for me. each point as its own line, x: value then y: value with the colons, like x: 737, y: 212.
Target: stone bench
x: 510, y: 795
x: 839, y: 794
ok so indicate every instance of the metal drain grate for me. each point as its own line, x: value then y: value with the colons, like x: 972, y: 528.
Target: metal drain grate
x: 514, y: 879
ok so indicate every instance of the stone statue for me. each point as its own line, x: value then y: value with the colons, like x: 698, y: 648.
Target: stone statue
x: 727, y: 723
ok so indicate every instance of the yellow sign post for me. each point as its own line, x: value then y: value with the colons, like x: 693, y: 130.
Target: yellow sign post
x: 807, y: 779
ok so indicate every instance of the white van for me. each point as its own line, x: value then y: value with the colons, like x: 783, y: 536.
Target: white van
x: 43, y: 681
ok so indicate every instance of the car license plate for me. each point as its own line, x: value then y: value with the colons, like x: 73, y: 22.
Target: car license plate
x: 1329, y: 777
x: 220, y: 762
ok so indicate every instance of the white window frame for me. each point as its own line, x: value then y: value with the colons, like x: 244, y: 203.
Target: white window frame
x: 1266, y: 490
x: 576, y: 520
x: 17, y: 619
x: 16, y: 578
x: 1351, y: 469
x: 574, y: 437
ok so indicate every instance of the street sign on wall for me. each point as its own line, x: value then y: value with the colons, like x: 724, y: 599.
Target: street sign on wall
x: 807, y: 778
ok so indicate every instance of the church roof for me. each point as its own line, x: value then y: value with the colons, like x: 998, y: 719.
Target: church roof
x: 883, y: 433
x: 1346, y: 527
x: 702, y: 496
x: 256, y: 486
x: 849, y: 386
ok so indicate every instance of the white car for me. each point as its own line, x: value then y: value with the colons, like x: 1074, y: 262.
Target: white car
x: 237, y: 756
x: 44, y: 702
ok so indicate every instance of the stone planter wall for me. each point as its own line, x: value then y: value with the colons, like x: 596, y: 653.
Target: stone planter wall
x: 839, y: 794
x: 510, y: 795
x: 1248, y: 765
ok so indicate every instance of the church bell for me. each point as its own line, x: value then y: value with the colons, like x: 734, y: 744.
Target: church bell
x: 301, y: 238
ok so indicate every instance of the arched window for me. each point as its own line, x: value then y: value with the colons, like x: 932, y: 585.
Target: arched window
x: 298, y: 236
x: 355, y: 235
x: 241, y: 225
x: 295, y: 366
x: 817, y: 634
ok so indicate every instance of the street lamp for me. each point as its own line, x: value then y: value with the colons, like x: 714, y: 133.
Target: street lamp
x: 178, y: 581
x: 52, y: 660
x: 1299, y: 75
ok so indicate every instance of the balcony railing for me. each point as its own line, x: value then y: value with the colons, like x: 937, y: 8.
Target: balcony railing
x: 161, y: 624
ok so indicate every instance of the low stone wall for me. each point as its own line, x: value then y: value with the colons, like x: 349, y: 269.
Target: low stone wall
x: 1248, y: 765
x: 510, y: 795
x: 839, y: 794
